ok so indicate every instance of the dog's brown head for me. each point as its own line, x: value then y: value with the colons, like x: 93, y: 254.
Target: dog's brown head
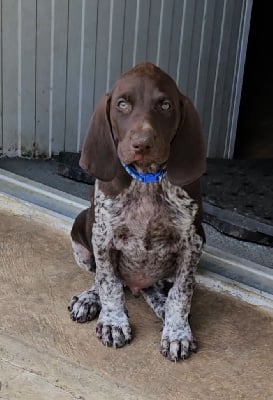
x: 147, y: 122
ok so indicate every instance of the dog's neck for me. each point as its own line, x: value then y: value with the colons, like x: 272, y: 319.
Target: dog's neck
x: 151, y: 173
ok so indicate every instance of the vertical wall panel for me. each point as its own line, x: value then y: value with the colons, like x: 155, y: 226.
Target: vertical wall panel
x: 175, y: 37
x: 196, y: 47
x: 223, y: 92
x: 130, y: 27
x: 116, y: 28
x: 187, y: 25
x: 221, y: 95
x: 102, y: 47
x: 229, y: 131
x: 58, y: 76
x: 153, y: 30
x: 44, y: 65
x: 141, y: 26
x: 231, y: 65
x: 59, y: 56
x: 221, y: 65
x: 204, y: 56
x: 74, y: 71
x: 1, y: 107
x: 89, y: 62
x: 27, y: 48
x: 136, y: 28
x: 10, y: 75
x: 164, y: 33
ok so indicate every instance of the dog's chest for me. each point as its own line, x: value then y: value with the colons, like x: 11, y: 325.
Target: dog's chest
x: 145, y: 228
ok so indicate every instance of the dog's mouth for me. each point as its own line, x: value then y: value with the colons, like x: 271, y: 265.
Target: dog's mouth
x: 144, y: 166
x: 145, y: 163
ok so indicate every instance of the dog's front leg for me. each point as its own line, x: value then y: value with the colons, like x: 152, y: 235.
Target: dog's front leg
x: 113, y: 328
x: 177, y: 341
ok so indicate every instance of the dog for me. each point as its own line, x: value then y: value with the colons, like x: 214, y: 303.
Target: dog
x: 143, y: 228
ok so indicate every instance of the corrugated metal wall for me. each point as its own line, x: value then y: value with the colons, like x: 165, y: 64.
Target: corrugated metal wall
x: 59, y: 56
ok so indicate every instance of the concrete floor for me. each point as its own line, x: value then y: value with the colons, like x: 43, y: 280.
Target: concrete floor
x: 44, y: 355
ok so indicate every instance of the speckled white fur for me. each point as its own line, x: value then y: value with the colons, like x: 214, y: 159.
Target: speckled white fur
x: 144, y: 235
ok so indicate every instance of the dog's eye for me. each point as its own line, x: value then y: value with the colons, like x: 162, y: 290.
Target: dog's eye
x: 122, y: 104
x: 165, y: 105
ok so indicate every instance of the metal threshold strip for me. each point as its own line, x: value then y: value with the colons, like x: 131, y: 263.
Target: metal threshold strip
x: 220, y: 270
x: 41, y: 195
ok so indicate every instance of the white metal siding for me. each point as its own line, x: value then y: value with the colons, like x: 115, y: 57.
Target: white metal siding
x: 59, y: 56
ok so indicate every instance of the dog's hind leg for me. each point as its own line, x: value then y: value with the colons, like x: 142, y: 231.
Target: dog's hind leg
x: 81, y: 236
x: 85, y: 306
x: 155, y: 297
x: 84, y: 257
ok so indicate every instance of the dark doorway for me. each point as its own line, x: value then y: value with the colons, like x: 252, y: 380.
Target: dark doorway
x: 254, y: 137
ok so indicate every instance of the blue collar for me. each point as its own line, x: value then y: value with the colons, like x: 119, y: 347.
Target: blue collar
x: 155, y: 177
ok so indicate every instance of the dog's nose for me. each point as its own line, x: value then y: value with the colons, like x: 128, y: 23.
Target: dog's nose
x: 142, y: 143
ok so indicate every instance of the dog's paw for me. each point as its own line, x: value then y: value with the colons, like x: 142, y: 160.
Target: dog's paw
x: 114, y: 330
x: 84, y: 307
x: 177, y: 343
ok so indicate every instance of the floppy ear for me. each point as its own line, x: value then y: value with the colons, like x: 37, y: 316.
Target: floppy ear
x: 187, y: 160
x: 99, y: 155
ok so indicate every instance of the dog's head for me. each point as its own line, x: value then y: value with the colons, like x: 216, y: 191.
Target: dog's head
x: 145, y: 121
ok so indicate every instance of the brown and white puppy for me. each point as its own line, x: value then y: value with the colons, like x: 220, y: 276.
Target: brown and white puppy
x: 139, y: 234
